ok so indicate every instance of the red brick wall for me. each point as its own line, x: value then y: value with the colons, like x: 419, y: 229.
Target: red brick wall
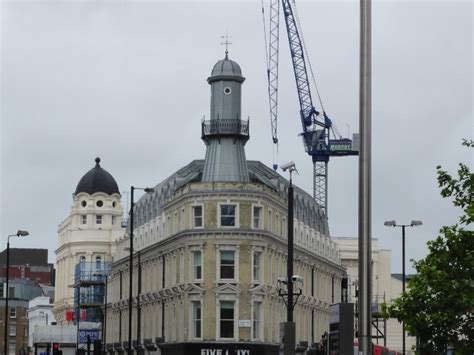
x: 25, y: 272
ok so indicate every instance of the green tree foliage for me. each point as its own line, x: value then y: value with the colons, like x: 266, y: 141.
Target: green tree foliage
x: 438, y: 306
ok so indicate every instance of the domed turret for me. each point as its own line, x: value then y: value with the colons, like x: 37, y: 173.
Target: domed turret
x: 97, y: 180
x: 226, y: 69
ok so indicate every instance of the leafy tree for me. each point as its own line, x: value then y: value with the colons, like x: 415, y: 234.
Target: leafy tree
x: 438, y: 307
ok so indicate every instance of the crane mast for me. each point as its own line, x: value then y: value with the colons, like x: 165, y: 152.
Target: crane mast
x: 316, y: 126
x: 272, y: 69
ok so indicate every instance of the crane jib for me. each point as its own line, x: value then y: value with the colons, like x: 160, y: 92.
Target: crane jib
x: 316, y: 127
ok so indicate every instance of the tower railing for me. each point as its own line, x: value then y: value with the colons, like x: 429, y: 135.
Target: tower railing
x: 225, y: 127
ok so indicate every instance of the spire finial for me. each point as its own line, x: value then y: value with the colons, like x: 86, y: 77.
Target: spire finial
x: 97, y: 161
x: 226, y: 44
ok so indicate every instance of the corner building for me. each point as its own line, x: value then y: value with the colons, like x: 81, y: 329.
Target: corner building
x: 86, y: 238
x: 211, y: 241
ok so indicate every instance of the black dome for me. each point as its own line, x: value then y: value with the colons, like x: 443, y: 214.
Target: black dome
x: 97, y: 180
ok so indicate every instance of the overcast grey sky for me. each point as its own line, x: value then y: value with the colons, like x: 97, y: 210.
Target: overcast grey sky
x: 126, y: 81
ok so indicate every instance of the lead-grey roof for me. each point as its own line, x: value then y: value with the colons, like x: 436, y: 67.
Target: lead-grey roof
x: 226, y: 69
x: 305, y: 208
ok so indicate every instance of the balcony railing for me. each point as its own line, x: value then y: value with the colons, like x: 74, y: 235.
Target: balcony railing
x: 225, y: 127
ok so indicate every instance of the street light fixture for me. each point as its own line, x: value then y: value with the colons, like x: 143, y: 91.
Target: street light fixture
x: 130, y: 295
x: 19, y: 233
x: 403, y: 226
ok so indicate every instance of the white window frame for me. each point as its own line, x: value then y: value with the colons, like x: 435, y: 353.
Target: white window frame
x: 234, y: 300
x: 193, y: 218
x: 261, y: 217
x: 192, y: 320
x: 12, y: 347
x: 193, y: 265
x: 12, y: 312
x: 83, y: 219
x: 12, y: 329
x: 270, y: 220
x: 227, y: 247
x: 237, y: 214
x: 221, y: 252
x: 260, y: 320
x: 259, y: 250
x: 98, y: 219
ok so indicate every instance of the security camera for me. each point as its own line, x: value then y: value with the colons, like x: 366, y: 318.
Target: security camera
x: 290, y: 166
x: 296, y: 278
x: 282, y: 279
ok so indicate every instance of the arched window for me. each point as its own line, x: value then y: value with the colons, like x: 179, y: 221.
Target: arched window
x: 98, y: 262
x: 82, y: 261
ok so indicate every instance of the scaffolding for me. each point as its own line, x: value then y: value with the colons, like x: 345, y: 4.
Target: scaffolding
x: 89, y: 290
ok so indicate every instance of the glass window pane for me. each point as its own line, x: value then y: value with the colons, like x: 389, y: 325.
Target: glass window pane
x: 227, y: 329
x: 197, y: 212
x: 228, y: 215
x: 227, y: 319
x: 227, y: 257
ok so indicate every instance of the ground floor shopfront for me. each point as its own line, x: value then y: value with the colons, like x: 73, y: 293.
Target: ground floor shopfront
x: 200, y: 348
x: 212, y: 348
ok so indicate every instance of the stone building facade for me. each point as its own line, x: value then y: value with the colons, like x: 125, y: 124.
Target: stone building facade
x: 210, y: 248
x: 88, y: 234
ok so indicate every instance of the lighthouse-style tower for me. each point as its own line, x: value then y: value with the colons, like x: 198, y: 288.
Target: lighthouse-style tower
x: 225, y: 134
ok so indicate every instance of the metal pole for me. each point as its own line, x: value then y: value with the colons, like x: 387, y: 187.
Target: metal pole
x: 312, y: 310
x: 7, y: 313
x: 365, y: 321
x: 139, y: 290
x: 130, y: 270
x: 78, y: 315
x: 289, y: 265
x: 163, y: 301
x: 105, y: 314
x: 403, y: 283
x: 120, y: 310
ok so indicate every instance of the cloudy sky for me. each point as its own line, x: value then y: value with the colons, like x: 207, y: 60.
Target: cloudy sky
x: 126, y: 81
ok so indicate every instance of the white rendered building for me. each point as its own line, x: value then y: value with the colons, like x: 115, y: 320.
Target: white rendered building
x: 385, y: 288
x: 40, y: 313
x: 88, y: 234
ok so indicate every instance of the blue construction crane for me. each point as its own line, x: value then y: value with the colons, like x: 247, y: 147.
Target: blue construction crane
x: 317, y: 127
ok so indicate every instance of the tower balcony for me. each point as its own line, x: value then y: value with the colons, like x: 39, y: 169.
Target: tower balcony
x: 225, y: 128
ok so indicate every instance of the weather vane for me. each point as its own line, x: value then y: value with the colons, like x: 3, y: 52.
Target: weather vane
x: 226, y: 43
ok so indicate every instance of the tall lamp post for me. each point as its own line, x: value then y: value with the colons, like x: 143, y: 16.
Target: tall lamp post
x: 289, y: 331
x: 130, y: 295
x: 403, y: 226
x: 19, y: 233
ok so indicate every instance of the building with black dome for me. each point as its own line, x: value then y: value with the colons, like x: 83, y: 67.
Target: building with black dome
x: 86, y: 238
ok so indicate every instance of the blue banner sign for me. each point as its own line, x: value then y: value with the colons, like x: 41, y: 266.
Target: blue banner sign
x: 94, y: 334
